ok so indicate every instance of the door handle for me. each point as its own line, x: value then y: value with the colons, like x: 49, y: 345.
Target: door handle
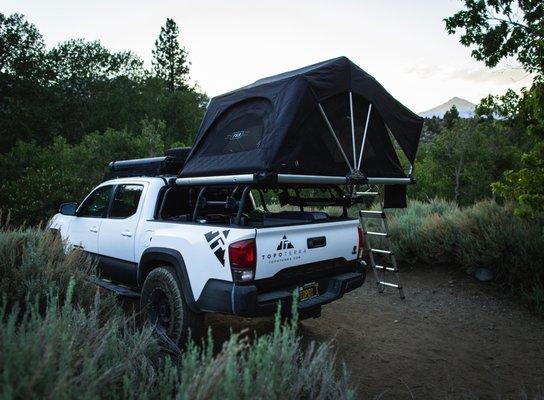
x: 316, y: 242
x: 94, y: 229
x: 126, y: 233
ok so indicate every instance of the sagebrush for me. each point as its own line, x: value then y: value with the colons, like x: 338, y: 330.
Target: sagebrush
x: 486, y: 234
x: 61, y: 338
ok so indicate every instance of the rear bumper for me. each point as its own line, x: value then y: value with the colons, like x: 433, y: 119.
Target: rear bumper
x: 247, y: 301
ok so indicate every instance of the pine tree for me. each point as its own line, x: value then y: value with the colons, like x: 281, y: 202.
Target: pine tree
x: 169, y: 58
x: 451, y: 117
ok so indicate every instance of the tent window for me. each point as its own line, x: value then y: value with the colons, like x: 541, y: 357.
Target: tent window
x: 239, y: 129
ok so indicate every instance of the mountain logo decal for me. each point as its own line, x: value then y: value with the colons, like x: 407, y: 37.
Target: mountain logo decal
x: 216, y: 240
x: 285, y: 244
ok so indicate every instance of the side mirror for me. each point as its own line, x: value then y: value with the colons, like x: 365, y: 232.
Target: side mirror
x: 68, y: 208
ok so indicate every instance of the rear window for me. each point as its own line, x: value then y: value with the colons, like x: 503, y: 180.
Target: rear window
x: 126, y: 200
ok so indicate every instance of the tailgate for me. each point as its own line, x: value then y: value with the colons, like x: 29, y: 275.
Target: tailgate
x: 290, y: 246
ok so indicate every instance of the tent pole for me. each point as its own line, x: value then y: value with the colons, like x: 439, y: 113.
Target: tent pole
x: 334, y: 136
x: 364, y: 136
x: 352, y: 128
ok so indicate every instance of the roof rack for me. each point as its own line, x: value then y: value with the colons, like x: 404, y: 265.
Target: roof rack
x: 289, y: 179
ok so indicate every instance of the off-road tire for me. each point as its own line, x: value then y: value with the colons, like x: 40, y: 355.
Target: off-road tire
x: 163, y: 303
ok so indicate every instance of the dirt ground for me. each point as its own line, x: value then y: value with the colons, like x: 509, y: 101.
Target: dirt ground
x: 452, y: 338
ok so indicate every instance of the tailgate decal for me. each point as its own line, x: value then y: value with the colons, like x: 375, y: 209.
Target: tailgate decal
x: 285, y: 244
x: 285, y: 251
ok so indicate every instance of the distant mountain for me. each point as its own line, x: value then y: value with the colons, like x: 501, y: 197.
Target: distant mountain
x: 465, y: 108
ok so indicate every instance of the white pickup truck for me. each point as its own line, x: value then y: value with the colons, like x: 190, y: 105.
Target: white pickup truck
x: 186, y: 251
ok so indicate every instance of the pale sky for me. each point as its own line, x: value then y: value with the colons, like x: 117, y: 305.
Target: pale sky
x: 403, y: 44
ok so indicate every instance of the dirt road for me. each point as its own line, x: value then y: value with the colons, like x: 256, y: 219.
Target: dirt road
x: 451, y: 338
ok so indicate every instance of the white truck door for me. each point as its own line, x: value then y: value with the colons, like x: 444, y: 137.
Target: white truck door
x: 117, y: 233
x: 83, y: 230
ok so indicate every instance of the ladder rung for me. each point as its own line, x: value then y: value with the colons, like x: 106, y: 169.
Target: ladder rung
x: 377, y: 234
x: 372, y: 214
x: 380, y: 251
x: 390, y: 284
x: 367, y: 193
x: 386, y: 268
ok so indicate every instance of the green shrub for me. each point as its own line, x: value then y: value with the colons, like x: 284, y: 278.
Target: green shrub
x: 483, y: 235
x: 68, y: 352
x: 35, y: 180
x: 462, y: 159
x: 33, y: 265
x: 273, y: 366
x: 71, y: 353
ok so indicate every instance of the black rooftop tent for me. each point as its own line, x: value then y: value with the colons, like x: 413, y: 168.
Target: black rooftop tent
x: 330, y: 119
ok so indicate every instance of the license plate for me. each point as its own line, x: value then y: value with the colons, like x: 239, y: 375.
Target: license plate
x: 308, y: 291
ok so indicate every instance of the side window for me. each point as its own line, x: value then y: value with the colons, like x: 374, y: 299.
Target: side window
x: 125, y: 201
x: 96, y: 204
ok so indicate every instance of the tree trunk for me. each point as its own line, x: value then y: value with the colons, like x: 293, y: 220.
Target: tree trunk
x: 458, y: 178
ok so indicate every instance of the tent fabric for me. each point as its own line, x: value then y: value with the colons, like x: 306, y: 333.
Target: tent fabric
x: 275, y: 125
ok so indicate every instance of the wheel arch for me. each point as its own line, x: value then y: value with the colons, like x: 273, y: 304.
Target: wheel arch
x: 154, y: 257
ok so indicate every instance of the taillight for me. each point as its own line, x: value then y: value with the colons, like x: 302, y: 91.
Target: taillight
x: 243, y: 258
x: 361, y: 239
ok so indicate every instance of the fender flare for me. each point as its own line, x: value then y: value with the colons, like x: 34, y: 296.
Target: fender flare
x: 152, y: 258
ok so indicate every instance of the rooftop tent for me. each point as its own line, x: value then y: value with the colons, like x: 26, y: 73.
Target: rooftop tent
x: 327, y: 119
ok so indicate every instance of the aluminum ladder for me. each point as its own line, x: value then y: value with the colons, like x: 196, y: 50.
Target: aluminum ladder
x: 380, y: 270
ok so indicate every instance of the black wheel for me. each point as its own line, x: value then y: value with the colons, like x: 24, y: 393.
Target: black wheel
x: 165, y: 307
